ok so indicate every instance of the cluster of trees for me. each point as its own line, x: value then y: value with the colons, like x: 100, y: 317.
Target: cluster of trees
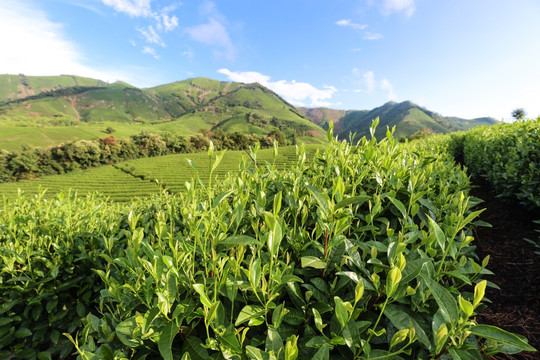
x: 32, y: 163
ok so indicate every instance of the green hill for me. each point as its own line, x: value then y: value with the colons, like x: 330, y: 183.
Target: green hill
x: 408, y: 118
x: 13, y: 87
x: 81, y: 107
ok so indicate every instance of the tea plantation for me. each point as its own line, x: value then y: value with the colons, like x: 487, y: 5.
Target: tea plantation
x: 360, y: 251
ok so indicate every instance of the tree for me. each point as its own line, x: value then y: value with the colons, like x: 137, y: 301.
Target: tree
x: 518, y: 113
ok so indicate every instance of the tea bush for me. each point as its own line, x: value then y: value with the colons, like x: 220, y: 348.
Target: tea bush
x: 508, y: 156
x: 362, y: 251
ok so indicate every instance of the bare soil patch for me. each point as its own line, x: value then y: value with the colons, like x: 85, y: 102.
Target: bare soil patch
x: 516, y: 307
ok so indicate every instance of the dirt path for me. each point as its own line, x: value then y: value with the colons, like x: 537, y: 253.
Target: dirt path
x: 516, y: 307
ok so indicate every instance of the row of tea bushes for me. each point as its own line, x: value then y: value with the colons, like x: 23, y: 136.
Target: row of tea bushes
x: 508, y: 156
x: 361, y: 252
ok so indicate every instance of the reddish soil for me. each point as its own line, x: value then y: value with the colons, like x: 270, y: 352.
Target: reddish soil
x: 516, y: 307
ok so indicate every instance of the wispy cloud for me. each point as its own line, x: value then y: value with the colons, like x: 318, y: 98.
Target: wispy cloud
x: 405, y: 6
x: 150, y: 51
x: 150, y: 35
x: 162, y: 21
x: 372, y: 36
x: 368, y: 35
x: 370, y: 85
x: 369, y: 81
x: 213, y: 33
x: 386, y: 85
x: 169, y: 22
x: 349, y: 23
x: 188, y: 53
x: 298, y: 93
x: 134, y: 8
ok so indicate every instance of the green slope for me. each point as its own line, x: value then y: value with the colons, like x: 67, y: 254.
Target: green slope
x: 13, y: 87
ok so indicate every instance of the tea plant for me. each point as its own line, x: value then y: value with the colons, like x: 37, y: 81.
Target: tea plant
x: 361, y: 252
x: 48, y: 250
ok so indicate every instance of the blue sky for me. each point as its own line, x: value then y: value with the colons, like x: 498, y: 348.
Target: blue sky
x: 466, y: 58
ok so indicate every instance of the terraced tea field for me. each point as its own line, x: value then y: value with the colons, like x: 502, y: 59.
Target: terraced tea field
x: 144, y: 177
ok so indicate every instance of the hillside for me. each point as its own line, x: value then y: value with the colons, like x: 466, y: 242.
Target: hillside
x: 81, y: 108
x: 14, y: 87
x: 409, y: 119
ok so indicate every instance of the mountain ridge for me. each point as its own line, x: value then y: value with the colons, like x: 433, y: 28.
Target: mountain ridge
x: 409, y: 119
x: 74, y: 105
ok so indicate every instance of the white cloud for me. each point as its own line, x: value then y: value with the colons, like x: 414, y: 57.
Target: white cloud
x: 188, y: 53
x: 34, y: 45
x: 372, y: 36
x: 150, y: 51
x: 215, y: 34
x: 348, y: 23
x: 386, y: 85
x: 406, y: 6
x: 296, y: 93
x: 150, y: 35
x: 369, y: 81
x: 134, y: 8
x: 367, y: 34
x: 163, y: 22
x: 33, y: 36
x: 169, y: 22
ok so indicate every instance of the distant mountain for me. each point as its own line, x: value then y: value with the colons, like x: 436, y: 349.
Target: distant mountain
x: 195, y: 105
x: 408, y: 118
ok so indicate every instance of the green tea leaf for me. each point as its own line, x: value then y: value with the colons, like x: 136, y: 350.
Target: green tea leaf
x: 278, y: 314
x: 236, y: 240
x: 274, y: 343
x: 321, y: 199
x: 445, y: 300
x: 479, y: 291
x: 220, y: 198
x: 436, y: 231
x: 313, y: 262
x: 124, y: 332
x: 399, y: 337
x: 199, y: 288
x: 229, y: 339
x: 317, y: 342
x: 399, y: 205
x: 392, y: 281
x: 165, y: 340
x: 501, y: 336
x: 46, y: 355
x: 218, y: 159
x: 249, y: 312
x: 351, y: 200
x: 472, y: 354
x: 323, y: 353
x: 22, y: 333
x: 194, y: 347
x: 341, y: 311
x: 465, y: 306
x: 318, y: 320
x: 359, y: 290
x: 291, y: 348
x: 257, y: 354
